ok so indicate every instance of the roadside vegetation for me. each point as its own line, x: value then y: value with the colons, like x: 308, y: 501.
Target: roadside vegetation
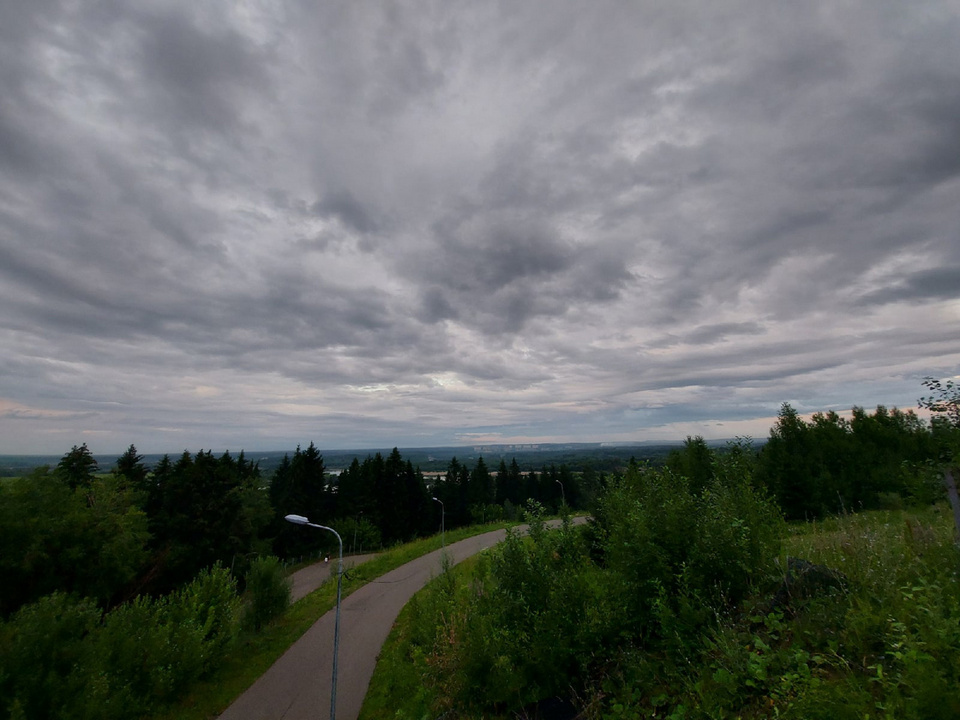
x: 689, y: 595
x: 870, y: 628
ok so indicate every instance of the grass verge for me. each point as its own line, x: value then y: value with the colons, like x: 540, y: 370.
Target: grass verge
x: 396, y: 688
x: 254, y: 653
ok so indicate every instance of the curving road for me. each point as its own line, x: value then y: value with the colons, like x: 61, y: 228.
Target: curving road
x: 297, y: 686
x: 305, y: 581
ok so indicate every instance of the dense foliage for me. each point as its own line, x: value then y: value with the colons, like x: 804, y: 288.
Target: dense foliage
x: 90, y: 539
x: 268, y: 592
x: 660, y: 562
x: 61, y: 657
x: 113, y: 600
x: 830, y: 464
x: 677, y: 604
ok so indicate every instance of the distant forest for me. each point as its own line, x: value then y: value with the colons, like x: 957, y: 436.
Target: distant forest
x: 600, y: 456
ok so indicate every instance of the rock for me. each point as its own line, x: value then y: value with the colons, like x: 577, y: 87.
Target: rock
x: 804, y: 581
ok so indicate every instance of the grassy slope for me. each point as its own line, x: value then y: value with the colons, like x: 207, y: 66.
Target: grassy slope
x: 396, y: 688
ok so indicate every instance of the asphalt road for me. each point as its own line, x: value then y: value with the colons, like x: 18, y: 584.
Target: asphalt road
x: 297, y: 686
x: 308, y: 579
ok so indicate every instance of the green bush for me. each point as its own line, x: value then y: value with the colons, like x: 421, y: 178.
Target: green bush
x: 534, y: 615
x: 679, y: 556
x: 542, y: 618
x: 42, y: 648
x: 268, y: 592
x: 885, y: 646
x: 59, y: 659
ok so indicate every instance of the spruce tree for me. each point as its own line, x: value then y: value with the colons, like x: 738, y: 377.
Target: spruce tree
x: 78, y: 467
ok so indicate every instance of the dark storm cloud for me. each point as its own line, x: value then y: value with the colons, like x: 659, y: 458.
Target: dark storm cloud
x: 498, y: 275
x: 198, y: 75
x: 932, y: 284
x: 343, y: 206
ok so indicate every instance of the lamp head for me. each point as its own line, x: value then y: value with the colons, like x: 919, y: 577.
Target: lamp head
x: 297, y: 519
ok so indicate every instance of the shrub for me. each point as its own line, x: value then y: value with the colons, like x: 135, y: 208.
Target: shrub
x: 534, y: 616
x: 268, y: 592
x: 60, y: 660
x: 41, y: 648
x: 679, y: 556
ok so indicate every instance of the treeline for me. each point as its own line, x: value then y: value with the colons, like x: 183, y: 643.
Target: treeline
x: 831, y: 465
x: 386, y: 500
x: 115, y: 535
x: 112, y: 536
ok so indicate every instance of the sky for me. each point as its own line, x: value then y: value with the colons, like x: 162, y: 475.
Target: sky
x: 257, y: 224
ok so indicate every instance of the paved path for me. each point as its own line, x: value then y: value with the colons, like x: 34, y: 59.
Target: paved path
x: 297, y: 686
x: 308, y: 579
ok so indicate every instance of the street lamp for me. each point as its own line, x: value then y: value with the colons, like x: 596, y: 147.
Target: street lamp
x: 301, y: 520
x: 355, y: 534
x: 443, y: 529
x: 563, y: 494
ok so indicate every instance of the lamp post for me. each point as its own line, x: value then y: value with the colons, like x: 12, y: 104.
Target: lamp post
x: 443, y: 529
x: 563, y: 493
x: 359, y: 520
x: 301, y: 520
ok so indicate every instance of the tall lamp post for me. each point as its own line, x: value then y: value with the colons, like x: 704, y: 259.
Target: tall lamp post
x: 301, y: 520
x: 563, y: 493
x: 443, y: 529
x: 355, y: 534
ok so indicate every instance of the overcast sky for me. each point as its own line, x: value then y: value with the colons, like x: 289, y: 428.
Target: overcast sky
x: 255, y: 224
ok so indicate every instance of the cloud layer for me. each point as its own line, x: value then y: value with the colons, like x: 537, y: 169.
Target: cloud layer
x: 376, y: 224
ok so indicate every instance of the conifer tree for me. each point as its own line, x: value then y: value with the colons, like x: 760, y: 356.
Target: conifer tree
x: 78, y: 467
x: 130, y: 466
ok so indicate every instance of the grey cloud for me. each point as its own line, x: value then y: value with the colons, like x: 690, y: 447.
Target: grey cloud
x: 490, y: 258
x: 198, y: 74
x: 708, y: 334
x: 435, y: 306
x: 19, y: 153
x: 506, y: 217
x: 499, y: 274
x: 24, y: 414
x: 933, y: 284
x: 343, y: 206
